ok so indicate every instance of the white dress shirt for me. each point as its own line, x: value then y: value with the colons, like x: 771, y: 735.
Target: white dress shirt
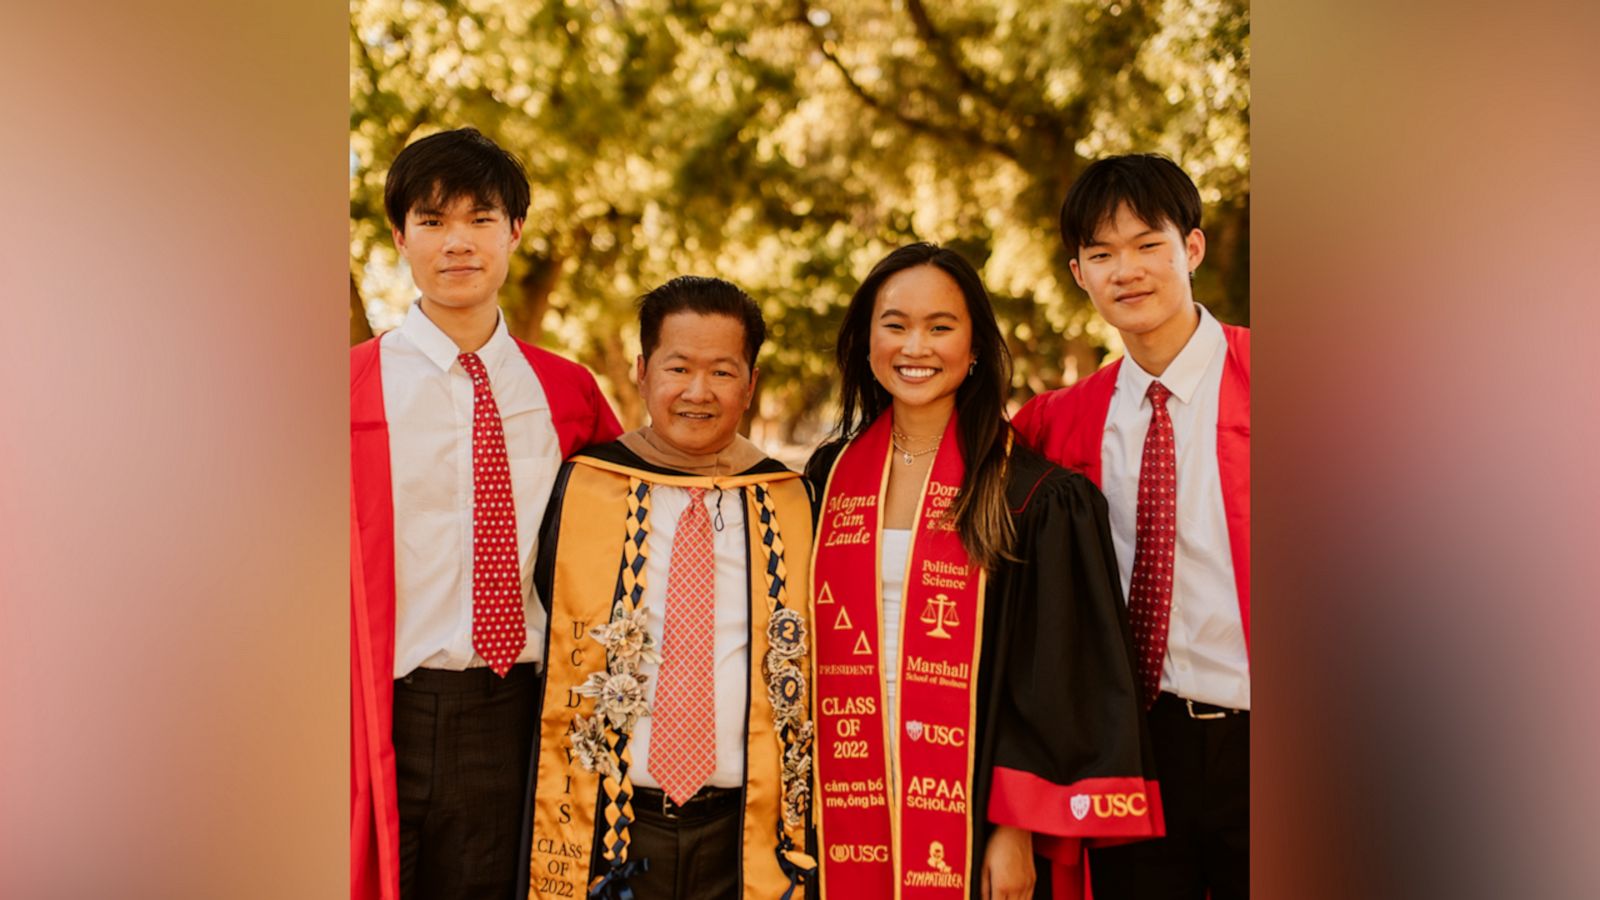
x: 428, y: 400
x: 1206, y: 658
x: 731, y: 644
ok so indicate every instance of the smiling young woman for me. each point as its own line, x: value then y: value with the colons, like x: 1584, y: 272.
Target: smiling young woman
x: 972, y: 670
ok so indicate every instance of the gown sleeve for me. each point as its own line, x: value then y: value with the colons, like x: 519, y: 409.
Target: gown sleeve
x: 816, y: 474
x: 1071, y: 759
x: 544, y: 560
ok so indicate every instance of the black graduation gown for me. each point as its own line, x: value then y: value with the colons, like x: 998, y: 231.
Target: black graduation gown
x: 1057, y: 683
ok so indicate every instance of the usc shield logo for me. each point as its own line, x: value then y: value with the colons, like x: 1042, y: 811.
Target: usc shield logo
x: 1080, y: 806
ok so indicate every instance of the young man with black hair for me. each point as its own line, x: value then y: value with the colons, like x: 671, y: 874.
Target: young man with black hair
x: 1165, y: 433
x: 457, y: 430
x: 673, y: 756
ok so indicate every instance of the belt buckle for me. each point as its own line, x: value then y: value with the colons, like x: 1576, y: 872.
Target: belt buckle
x: 1194, y: 715
x: 667, y: 805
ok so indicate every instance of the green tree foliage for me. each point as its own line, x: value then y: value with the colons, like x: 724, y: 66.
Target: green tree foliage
x: 788, y: 144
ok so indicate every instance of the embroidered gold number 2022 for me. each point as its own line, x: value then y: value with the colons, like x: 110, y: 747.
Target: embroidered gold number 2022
x: 850, y: 750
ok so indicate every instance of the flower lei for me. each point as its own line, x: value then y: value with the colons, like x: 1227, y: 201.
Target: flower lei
x: 618, y: 692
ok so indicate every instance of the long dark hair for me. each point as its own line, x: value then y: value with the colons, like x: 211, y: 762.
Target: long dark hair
x: 982, y: 518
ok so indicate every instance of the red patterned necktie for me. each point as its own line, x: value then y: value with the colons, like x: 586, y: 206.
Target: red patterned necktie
x: 1150, y: 593
x: 498, y: 629
x: 683, y: 748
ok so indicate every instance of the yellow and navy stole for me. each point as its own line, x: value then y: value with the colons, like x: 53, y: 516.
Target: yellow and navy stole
x: 901, y: 830
x: 606, y: 504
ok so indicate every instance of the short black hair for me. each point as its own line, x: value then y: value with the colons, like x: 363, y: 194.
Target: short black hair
x: 707, y: 297
x: 449, y: 165
x: 1154, y: 187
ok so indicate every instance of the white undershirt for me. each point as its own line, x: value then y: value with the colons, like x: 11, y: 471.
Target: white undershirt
x: 1206, y: 658
x: 731, y: 645
x: 428, y: 401
x: 896, y: 550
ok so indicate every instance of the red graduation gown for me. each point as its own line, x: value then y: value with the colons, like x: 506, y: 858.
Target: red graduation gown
x: 1068, y: 425
x: 582, y: 417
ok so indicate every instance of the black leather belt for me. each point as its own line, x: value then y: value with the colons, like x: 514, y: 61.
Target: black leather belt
x: 479, y: 678
x: 708, y: 801
x: 1200, y: 710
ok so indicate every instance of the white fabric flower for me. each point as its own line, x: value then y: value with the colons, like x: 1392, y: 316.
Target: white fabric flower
x: 619, y: 698
x: 627, y: 641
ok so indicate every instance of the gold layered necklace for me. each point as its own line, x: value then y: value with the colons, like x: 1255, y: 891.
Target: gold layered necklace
x: 902, y: 443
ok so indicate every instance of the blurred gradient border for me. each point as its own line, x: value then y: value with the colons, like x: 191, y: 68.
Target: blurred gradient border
x: 173, y: 464
x: 173, y: 460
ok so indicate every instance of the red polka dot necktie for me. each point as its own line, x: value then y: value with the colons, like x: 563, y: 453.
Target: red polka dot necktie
x: 683, y: 739
x: 1155, y: 533
x: 498, y: 629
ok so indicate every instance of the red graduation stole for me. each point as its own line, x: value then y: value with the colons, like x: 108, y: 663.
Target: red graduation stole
x: 907, y: 833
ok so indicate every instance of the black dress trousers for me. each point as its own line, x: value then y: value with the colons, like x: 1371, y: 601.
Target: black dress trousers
x: 462, y: 742
x: 1204, y: 771
x: 695, y: 856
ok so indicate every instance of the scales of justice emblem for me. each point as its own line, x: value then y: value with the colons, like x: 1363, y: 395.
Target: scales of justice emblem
x: 939, y: 611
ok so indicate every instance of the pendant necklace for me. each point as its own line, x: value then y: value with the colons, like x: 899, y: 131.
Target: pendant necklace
x: 900, y: 440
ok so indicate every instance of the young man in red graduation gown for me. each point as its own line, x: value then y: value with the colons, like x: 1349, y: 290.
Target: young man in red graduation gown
x: 456, y: 433
x: 1165, y: 432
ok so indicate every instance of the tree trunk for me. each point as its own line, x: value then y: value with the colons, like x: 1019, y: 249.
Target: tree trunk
x: 360, y: 328
x: 618, y: 368
x: 532, y: 299
x: 1229, y: 256
x: 1081, y: 360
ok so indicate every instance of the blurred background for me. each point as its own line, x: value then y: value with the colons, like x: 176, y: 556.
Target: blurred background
x: 787, y: 145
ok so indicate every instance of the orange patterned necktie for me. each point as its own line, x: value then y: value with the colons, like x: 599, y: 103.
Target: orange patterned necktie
x: 683, y: 749
x: 1155, y: 534
x: 498, y: 629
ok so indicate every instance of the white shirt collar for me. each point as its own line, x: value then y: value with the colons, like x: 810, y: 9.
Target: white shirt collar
x: 1184, y: 373
x: 441, y: 350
